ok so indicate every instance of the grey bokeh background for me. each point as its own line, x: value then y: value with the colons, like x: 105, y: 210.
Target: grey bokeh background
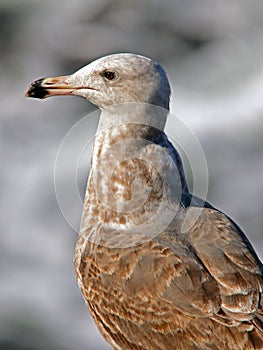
x: 212, y: 51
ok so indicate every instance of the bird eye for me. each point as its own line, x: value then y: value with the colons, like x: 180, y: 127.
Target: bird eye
x: 109, y: 75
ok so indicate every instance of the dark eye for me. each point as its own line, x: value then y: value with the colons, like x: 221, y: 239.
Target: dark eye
x: 109, y: 75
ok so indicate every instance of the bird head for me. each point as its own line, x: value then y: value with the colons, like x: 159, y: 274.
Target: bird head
x: 110, y: 80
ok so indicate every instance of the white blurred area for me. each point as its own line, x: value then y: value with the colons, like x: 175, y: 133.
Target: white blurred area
x: 212, y: 51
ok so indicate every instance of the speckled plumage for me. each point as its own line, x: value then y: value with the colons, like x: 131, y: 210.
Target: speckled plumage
x: 194, y: 283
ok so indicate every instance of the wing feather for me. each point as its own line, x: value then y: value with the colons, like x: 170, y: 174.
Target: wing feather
x: 230, y: 261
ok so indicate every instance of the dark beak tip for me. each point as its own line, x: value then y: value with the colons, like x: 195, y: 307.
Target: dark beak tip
x: 36, y: 90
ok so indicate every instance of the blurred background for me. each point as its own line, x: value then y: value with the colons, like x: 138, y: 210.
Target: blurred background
x: 212, y: 51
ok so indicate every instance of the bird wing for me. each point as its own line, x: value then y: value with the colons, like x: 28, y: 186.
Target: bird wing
x: 225, y: 272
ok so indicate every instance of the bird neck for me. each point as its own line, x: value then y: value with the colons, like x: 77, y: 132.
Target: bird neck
x: 133, y: 112
x: 133, y: 179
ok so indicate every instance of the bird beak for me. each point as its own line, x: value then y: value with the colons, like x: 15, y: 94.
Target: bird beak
x: 54, y: 86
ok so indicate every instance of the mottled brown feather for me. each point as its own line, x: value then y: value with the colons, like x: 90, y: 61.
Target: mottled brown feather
x: 156, y: 296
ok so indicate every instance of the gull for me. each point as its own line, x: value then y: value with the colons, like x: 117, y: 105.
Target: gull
x: 159, y: 268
